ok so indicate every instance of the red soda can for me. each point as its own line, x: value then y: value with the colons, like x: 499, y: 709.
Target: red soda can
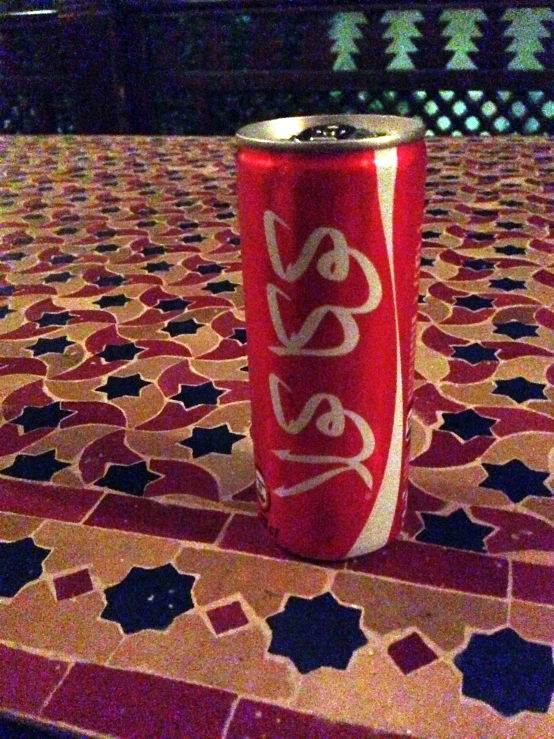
x: 330, y: 211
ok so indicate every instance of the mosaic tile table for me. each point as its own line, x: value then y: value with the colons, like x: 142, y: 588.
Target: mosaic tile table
x: 139, y: 596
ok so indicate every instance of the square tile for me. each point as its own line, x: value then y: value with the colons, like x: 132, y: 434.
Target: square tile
x: 227, y: 617
x: 70, y: 586
x: 533, y: 582
x: 26, y: 680
x: 411, y: 653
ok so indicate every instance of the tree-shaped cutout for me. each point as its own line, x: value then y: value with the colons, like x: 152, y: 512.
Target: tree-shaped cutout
x: 461, y: 28
x: 345, y: 32
x: 401, y: 29
x: 527, y: 31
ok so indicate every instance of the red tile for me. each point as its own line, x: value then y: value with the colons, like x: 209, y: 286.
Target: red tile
x: 131, y: 704
x: 26, y: 680
x: 127, y: 513
x: 257, y: 720
x: 533, y: 582
x: 225, y: 618
x: 48, y: 501
x: 247, y: 534
x: 411, y: 653
x: 70, y: 586
x: 440, y: 567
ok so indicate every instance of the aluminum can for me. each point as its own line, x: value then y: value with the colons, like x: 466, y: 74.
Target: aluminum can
x: 330, y: 211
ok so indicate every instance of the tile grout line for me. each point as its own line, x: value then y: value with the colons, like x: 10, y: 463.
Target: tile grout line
x: 219, y: 538
x: 90, y: 511
x: 56, y: 688
x: 229, y: 719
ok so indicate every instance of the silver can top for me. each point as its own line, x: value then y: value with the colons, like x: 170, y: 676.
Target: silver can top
x: 318, y: 133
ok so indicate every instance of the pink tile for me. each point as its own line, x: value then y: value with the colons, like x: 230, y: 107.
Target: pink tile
x: 127, y: 513
x: 225, y: 618
x: 50, y: 501
x: 411, y: 653
x: 131, y: 704
x: 26, y: 680
x: 533, y: 582
x: 70, y: 586
x: 257, y: 720
x: 440, y: 567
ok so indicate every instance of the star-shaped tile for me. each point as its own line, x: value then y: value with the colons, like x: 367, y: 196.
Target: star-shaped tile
x: 158, y: 267
x: 4, y: 310
x: 223, y: 286
x: 515, y: 329
x: 188, y: 225
x: 427, y: 261
x: 12, y: 256
x: 219, y: 439
x: 173, y: 304
x: 478, y: 264
x: 59, y: 277
x: 38, y: 417
x: 316, y: 632
x: 467, y: 424
x: 507, y: 284
x: 20, y: 563
x: 205, y: 394
x: 429, y: 234
x: 179, y: 328
x: 454, y: 530
x: 149, y: 598
x: 508, y: 672
x: 473, y: 302
x: 193, y: 239
x: 34, y: 466
x: 109, y: 281
x: 50, y: 346
x: 112, y: 301
x: 479, y: 236
x: 151, y: 251
x: 6, y: 290
x: 113, y: 352
x: 103, y: 248
x: 520, y: 389
x: 63, y: 259
x: 128, y: 478
x: 55, y: 319
x: 119, y: 387
x: 239, y: 334
x: 475, y: 353
x: 516, y: 480
x: 208, y: 269
x: 510, y: 250
x: 510, y: 225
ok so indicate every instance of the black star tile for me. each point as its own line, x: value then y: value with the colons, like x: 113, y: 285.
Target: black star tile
x: 509, y: 250
x: 223, y: 286
x: 106, y: 233
x: 316, y: 632
x: 507, y: 284
x: 149, y: 598
x: 50, y: 346
x: 102, y: 248
x: 510, y: 225
x: 150, y: 251
x: 467, y: 424
x: 109, y: 301
x: 12, y: 256
x: 475, y: 353
x: 179, y: 328
x: 239, y: 334
x: 173, y: 304
x: 429, y: 234
x: 478, y: 264
x: 454, y: 530
x: 208, y: 269
x: 427, y: 262
x: 38, y: 417
x: 205, y: 394
x: 515, y: 329
x: 113, y: 352
x: 55, y: 319
x: 63, y: 259
x: 478, y: 236
x: 20, y: 563
x: 193, y: 239
x: 59, y: 277
x: 158, y: 267
x: 437, y: 212
x: 421, y: 299
x: 119, y: 387
x: 188, y: 225
x: 109, y: 281
x: 4, y: 310
x: 520, y: 389
x: 6, y: 291
x: 234, y: 240
x: 34, y: 466
x: 507, y: 672
x: 218, y: 439
x: 473, y: 302
x: 516, y: 480
x: 128, y: 478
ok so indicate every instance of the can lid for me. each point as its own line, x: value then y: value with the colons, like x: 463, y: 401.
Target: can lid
x: 331, y: 132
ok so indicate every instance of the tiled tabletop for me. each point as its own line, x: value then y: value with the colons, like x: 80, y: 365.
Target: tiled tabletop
x: 139, y: 596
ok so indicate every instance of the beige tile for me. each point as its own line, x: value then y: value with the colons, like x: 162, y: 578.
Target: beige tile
x: 533, y: 621
x: 458, y: 484
x: 542, y: 506
x: 429, y: 363
x: 14, y: 527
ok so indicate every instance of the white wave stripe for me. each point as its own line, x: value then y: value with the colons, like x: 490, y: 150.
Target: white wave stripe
x: 377, y: 529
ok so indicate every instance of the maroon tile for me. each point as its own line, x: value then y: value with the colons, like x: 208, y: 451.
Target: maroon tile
x: 225, y: 618
x: 257, y: 720
x: 533, y: 582
x: 143, y: 516
x: 49, y: 501
x: 441, y: 567
x: 26, y: 680
x: 129, y: 704
x: 411, y: 653
x: 70, y: 586
x: 246, y: 534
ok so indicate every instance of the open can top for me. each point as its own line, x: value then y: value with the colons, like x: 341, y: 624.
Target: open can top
x: 337, y: 132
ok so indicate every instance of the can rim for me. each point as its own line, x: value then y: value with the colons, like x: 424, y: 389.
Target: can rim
x: 277, y: 133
